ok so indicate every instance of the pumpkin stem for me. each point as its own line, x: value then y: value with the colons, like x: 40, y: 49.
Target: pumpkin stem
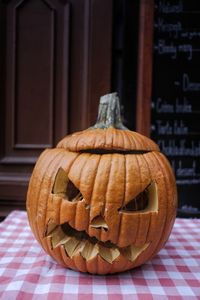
x: 109, y: 113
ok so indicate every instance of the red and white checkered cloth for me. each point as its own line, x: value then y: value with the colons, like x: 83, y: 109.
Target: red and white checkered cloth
x: 27, y: 272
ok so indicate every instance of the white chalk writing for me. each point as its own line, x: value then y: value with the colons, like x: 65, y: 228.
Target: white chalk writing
x: 183, y: 106
x: 187, y: 181
x: 171, y: 49
x: 181, y: 147
x: 176, y: 127
x: 186, y: 171
x: 163, y: 107
x: 172, y: 28
x: 188, y: 85
x: 190, y: 34
x: 180, y: 106
x: 167, y: 8
x: 175, y: 108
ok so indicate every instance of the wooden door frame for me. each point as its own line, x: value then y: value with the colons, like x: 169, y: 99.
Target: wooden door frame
x: 145, y: 66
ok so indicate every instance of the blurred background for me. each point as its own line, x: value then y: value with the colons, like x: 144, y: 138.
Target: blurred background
x: 57, y: 57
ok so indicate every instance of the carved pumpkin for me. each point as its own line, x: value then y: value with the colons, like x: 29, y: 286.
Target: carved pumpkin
x: 104, y: 200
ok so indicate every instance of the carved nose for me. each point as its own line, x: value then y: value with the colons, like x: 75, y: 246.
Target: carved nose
x: 98, y: 223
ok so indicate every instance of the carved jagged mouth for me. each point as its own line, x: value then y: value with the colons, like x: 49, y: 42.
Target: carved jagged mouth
x: 79, y: 242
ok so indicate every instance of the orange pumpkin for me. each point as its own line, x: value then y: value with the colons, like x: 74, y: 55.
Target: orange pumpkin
x: 104, y: 200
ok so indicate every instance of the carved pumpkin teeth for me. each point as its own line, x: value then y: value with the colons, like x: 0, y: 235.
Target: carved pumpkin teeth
x: 132, y: 252
x: 90, y: 248
x: 99, y: 223
x: 108, y: 254
x: 62, y: 241
x: 56, y: 236
x: 71, y: 245
x: 50, y: 228
x: 79, y: 247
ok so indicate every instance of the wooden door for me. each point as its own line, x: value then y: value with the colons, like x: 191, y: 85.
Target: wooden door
x: 55, y: 63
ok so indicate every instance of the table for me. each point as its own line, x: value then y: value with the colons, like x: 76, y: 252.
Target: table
x: 27, y: 272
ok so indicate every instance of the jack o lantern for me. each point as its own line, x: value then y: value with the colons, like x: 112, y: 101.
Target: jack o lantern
x: 104, y: 200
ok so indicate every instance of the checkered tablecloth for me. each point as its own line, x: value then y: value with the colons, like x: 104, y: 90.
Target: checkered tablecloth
x: 26, y: 272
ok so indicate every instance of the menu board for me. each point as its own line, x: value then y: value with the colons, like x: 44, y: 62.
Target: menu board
x: 175, y: 106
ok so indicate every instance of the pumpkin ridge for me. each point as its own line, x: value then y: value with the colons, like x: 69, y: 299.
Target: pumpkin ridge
x: 139, y: 172
x: 37, y: 196
x: 106, y: 189
x: 33, y: 208
x: 147, y: 165
x: 137, y: 141
x: 151, y: 213
x: 147, y: 231
x: 165, y: 186
x: 131, y: 141
x: 59, y: 250
x: 138, y: 223
x: 93, y: 182
x: 111, y: 156
x: 118, y: 137
x: 125, y: 188
x: 165, y: 165
x: 121, y: 215
x: 109, y: 138
x: 76, y: 142
x: 105, y: 200
x: 144, y: 159
x: 138, y: 228
x: 52, y: 161
x: 150, y: 221
x: 124, y: 138
x: 99, y: 157
x: 125, y: 171
x: 81, y: 170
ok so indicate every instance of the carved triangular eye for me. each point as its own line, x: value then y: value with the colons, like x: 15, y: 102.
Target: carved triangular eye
x: 145, y: 201
x: 138, y: 203
x: 65, y: 188
x: 73, y: 193
x: 60, y: 183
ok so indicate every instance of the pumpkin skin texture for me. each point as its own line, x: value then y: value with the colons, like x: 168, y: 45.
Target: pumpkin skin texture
x: 104, y: 200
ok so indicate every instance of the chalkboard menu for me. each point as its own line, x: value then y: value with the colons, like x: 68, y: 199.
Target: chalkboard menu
x: 175, y: 103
